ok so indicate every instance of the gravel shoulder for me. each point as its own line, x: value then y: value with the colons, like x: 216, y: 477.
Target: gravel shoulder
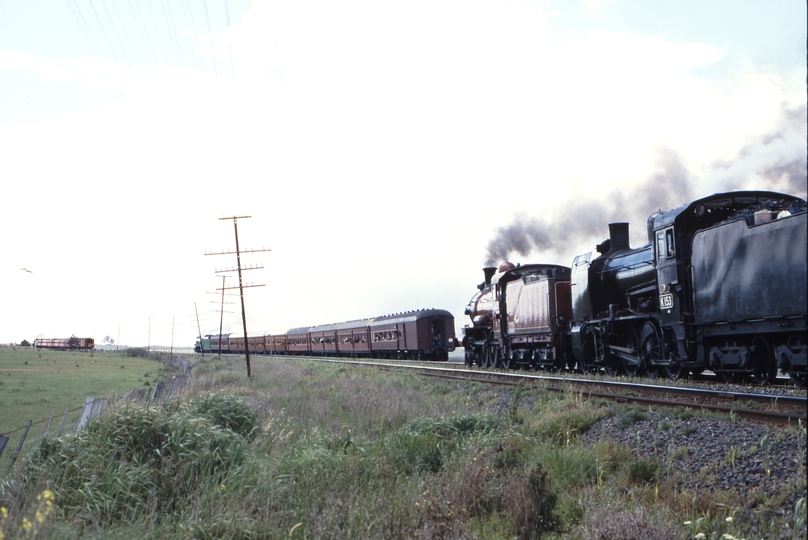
x: 760, y: 463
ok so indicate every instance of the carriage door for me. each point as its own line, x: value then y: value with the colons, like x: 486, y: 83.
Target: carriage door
x: 436, y: 333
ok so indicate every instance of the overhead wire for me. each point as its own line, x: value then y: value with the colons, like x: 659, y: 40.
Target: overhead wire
x: 83, y: 26
x: 229, y: 39
x: 125, y: 33
x: 171, y: 31
x: 117, y: 34
x: 192, y: 39
x: 133, y: 50
x: 111, y: 48
x: 210, y: 37
x: 144, y: 33
x: 157, y: 28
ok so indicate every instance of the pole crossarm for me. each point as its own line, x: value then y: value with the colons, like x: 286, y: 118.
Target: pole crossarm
x: 240, y: 287
x: 253, y: 267
x: 262, y: 250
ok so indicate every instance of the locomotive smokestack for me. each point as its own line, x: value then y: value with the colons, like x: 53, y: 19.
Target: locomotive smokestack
x: 618, y: 234
x: 489, y: 272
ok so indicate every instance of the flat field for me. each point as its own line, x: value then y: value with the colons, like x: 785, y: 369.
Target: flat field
x: 36, y: 383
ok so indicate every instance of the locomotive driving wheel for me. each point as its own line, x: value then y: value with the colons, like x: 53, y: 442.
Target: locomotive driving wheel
x: 487, y: 356
x: 479, y: 356
x: 764, y: 367
x: 612, y: 366
x: 674, y: 371
x: 795, y: 344
x: 469, y: 357
x: 631, y: 340
x: 650, y: 348
x: 494, y: 356
x: 507, y: 357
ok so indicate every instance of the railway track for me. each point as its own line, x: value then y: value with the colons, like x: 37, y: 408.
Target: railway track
x: 766, y: 408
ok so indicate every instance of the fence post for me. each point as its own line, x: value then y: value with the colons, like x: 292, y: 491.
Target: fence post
x: 3, y: 443
x: 19, y: 446
x: 92, y: 407
x: 59, y: 433
x: 47, y: 427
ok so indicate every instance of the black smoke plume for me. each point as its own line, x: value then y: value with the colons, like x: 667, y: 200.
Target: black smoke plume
x: 584, y: 222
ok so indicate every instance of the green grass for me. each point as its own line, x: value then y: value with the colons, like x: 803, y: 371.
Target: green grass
x: 34, y: 384
x: 306, y: 450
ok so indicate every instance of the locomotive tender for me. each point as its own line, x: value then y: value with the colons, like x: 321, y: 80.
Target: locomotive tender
x: 426, y: 334
x: 520, y: 316
x: 720, y: 285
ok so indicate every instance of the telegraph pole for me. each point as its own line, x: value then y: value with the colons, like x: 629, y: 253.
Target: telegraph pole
x: 221, y: 317
x: 199, y: 329
x: 241, y: 285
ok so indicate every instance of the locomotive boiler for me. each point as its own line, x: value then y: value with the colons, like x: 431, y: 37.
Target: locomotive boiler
x: 721, y: 285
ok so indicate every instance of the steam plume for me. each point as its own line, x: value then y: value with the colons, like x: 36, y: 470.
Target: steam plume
x: 584, y: 221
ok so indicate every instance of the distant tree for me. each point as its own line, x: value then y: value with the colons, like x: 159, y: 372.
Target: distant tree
x: 73, y: 342
x: 108, y: 340
x: 24, y: 343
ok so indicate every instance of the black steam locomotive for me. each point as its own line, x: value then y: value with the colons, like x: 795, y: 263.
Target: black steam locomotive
x: 720, y: 285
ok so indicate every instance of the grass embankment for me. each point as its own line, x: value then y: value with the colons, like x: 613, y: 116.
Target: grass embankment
x: 319, y: 451
x: 36, y: 383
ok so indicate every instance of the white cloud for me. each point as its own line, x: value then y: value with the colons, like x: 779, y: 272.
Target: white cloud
x: 378, y: 147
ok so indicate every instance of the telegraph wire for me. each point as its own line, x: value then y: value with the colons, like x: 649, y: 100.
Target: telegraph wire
x: 193, y: 40
x: 190, y: 39
x: 117, y: 34
x: 106, y: 37
x: 210, y: 37
x: 146, y: 46
x: 159, y: 35
x: 171, y: 32
x: 125, y: 33
x: 115, y: 56
x: 83, y: 27
x: 229, y: 39
x: 144, y: 33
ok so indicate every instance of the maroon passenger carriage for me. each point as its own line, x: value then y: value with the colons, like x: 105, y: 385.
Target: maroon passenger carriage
x: 65, y: 344
x: 425, y: 334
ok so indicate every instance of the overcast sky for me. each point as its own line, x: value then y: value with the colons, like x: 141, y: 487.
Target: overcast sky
x: 386, y: 150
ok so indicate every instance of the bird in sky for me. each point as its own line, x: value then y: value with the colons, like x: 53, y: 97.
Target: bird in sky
x: 29, y: 271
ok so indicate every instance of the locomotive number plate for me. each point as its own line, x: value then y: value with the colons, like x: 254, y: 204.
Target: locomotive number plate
x: 666, y: 301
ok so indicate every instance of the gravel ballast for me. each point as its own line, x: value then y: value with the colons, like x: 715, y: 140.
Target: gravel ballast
x: 758, y: 462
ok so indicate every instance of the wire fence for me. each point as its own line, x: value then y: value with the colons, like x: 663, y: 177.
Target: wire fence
x: 74, y: 420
